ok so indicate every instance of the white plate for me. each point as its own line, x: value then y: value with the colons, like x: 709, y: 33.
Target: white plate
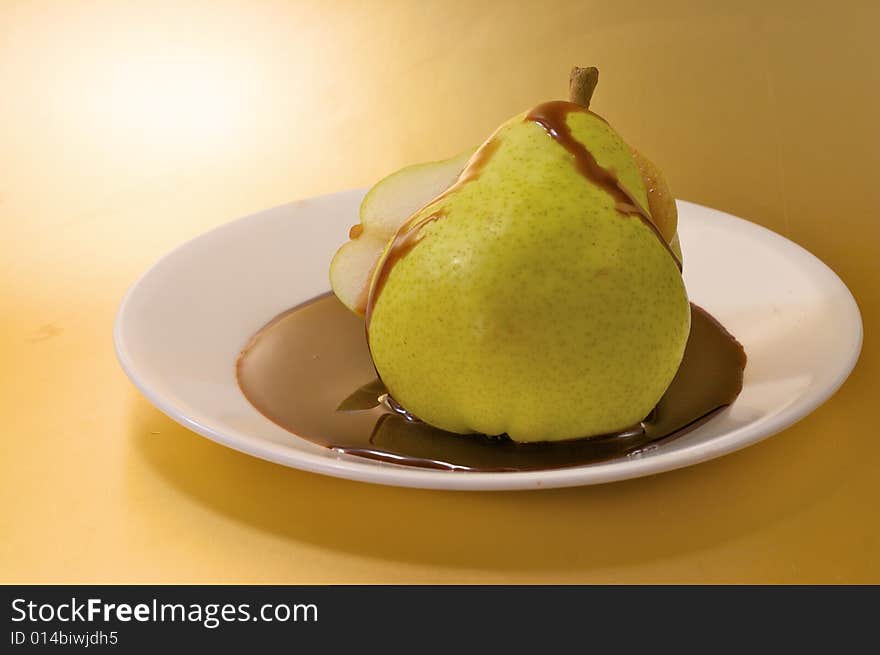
x: 182, y: 325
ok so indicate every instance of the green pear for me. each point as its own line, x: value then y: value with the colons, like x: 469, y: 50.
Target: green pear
x: 384, y: 209
x: 527, y: 298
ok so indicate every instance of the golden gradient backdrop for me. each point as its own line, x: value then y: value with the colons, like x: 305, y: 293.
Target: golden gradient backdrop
x: 125, y: 131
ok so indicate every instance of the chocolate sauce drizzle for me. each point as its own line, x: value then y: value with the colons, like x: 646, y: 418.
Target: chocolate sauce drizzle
x: 553, y: 117
x: 299, y: 367
x: 405, y: 240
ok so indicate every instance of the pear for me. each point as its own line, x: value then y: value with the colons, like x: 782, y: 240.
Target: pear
x: 538, y: 295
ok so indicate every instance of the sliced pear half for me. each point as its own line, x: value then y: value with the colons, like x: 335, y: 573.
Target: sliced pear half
x: 397, y: 197
x: 661, y: 202
x: 384, y: 209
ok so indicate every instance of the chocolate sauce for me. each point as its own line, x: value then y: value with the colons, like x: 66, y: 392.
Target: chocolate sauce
x: 552, y: 116
x: 298, y: 369
x: 404, y: 241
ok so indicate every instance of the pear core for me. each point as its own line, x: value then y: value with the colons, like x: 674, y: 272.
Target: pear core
x: 532, y: 297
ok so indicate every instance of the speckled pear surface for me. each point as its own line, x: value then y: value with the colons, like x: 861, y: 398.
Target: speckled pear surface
x: 532, y: 306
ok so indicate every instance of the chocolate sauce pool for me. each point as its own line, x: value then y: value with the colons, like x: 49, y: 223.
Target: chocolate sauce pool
x: 299, y: 368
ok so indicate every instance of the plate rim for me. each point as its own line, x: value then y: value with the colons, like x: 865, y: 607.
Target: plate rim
x: 364, y: 470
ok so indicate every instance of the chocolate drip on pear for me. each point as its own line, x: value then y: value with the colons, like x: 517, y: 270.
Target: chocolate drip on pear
x: 661, y: 203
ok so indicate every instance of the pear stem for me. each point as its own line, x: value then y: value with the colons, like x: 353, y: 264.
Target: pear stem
x: 581, y: 84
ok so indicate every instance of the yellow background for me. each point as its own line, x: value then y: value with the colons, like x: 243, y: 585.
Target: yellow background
x: 125, y: 131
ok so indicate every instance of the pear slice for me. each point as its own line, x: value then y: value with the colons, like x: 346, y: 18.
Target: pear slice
x: 661, y: 202
x: 384, y: 209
